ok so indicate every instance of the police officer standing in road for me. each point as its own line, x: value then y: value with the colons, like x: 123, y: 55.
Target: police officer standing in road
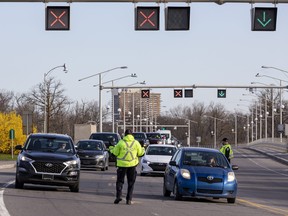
x: 127, y: 152
x: 226, y: 149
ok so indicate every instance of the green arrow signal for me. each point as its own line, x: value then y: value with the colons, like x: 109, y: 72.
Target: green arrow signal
x: 221, y: 93
x: 264, y: 23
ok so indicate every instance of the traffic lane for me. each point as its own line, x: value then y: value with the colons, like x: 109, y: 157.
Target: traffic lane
x: 6, y: 175
x: 97, y: 193
x: 261, y: 179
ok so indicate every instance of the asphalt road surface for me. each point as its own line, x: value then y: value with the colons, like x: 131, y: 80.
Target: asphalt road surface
x: 262, y: 190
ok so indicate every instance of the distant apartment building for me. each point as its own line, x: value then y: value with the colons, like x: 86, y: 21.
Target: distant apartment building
x: 130, y: 105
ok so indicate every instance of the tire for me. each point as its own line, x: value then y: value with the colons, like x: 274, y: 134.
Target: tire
x: 177, y: 195
x: 74, y: 188
x: 103, y: 168
x: 231, y: 200
x: 18, y: 184
x: 166, y: 193
x: 143, y: 174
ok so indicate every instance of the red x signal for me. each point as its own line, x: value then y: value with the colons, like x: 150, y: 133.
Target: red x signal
x: 145, y: 93
x: 178, y: 93
x: 58, y: 18
x: 147, y: 18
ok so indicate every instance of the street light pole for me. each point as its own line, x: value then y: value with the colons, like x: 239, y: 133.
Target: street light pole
x: 46, y: 90
x: 280, y: 97
x: 100, y: 91
x: 134, y: 75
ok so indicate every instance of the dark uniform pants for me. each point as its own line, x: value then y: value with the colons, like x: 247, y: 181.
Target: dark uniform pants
x: 131, y: 177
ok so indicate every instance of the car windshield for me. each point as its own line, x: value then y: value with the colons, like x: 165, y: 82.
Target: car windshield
x: 48, y: 144
x: 139, y: 136
x: 92, y: 146
x: 105, y: 137
x: 157, y: 150
x: 211, y: 159
x: 154, y: 135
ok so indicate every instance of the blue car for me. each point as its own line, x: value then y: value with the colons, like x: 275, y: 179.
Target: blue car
x: 200, y: 172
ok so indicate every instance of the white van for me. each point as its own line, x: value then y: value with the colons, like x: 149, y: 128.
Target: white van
x: 166, y: 136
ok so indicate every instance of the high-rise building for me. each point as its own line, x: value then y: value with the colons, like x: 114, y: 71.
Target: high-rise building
x: 137, y: 110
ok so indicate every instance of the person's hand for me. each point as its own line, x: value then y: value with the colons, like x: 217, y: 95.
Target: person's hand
x: 111, y: 148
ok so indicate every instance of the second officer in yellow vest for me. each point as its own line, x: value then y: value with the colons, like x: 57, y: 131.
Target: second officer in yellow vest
x: 127, y: 152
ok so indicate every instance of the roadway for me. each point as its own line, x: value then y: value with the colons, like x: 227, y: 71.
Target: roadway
x: 263, y: 190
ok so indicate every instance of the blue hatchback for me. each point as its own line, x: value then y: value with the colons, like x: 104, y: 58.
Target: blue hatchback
x: 200, y: 172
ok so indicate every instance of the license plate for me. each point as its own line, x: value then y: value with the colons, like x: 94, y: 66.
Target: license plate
x: 47, y: 177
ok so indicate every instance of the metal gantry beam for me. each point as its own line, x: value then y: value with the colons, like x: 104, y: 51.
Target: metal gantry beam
x: 220, y: 2
x: 199, y: 86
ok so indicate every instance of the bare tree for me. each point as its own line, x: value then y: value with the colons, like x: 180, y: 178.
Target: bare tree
x: 51, y: 94
x: 6, y: 101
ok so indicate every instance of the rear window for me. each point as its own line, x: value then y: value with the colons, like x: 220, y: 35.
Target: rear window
x: 105, y: 137
x: 157, y: 150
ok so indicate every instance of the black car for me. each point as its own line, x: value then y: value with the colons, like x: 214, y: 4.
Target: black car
x: 154, y: 138
x: 48, y: 159
x: 93, y: 154
x: 142, y: 138
x: 110, y: 139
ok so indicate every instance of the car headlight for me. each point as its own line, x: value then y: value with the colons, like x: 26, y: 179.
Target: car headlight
x: 24, y: 158
x: 185, y: 173
x: 145, y: 161
x: 99, y: 156
x: 72, y: 162
x: 231, y: 176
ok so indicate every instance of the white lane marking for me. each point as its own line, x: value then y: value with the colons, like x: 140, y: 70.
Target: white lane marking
x: 283, y: 174
x: 3, y: 209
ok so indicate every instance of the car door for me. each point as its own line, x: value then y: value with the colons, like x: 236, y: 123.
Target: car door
x: 172, y: 170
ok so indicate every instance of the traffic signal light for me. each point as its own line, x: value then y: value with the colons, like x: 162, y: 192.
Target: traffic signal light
x: 178, y: 93
x: 221, y: 93
x: 263, y: 19
x: 58, y: 18
x: 147, y: 18
x: 177, y: 18
x: 145, y: 93
x: 188, y: 93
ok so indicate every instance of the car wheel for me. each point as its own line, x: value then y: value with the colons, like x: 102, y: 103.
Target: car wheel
x: 103, y: 168
x: 177, y: 195
x: 143, y: 174
x: 18, y: 184
x: 74, y: 188
x: 166, y: 192
x: 231, y: 200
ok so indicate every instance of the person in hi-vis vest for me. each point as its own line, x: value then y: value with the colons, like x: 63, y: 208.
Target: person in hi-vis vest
x: 127, y: 152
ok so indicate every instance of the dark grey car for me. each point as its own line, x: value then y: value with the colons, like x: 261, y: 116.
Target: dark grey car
x: 48, y: 159
x: 93, y: 154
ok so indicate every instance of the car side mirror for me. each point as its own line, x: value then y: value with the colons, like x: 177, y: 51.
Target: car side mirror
x: 172, y: 163
x: 18, y: 147
x: 235, y: 167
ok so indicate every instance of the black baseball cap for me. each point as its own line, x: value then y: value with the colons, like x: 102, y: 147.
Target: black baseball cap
x: 224, y: 139
x: 128, y: 131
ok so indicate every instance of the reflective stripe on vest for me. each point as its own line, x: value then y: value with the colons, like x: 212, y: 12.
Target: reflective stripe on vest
x: 129, y: 148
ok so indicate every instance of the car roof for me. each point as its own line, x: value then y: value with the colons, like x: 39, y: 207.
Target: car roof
x: 199, y: 149
x: 50, y: 135
x: 105, y: 133
x: 161, y: 145
x: 90, y: 140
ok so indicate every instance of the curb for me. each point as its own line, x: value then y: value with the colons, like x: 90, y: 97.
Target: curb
x: 278, y: 159
x: 7, y: 166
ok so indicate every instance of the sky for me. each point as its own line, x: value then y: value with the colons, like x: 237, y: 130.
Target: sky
x: 219, y: 49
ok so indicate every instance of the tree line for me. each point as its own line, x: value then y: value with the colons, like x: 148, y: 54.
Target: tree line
x: 63, y: 113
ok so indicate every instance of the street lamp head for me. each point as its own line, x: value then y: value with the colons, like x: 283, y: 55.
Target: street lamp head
x: 257, y: 75
x: 65, y: 69
x: 134, y: 75
x: 264, y: 66
x: 143, y: 83
x: 123, y: 67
